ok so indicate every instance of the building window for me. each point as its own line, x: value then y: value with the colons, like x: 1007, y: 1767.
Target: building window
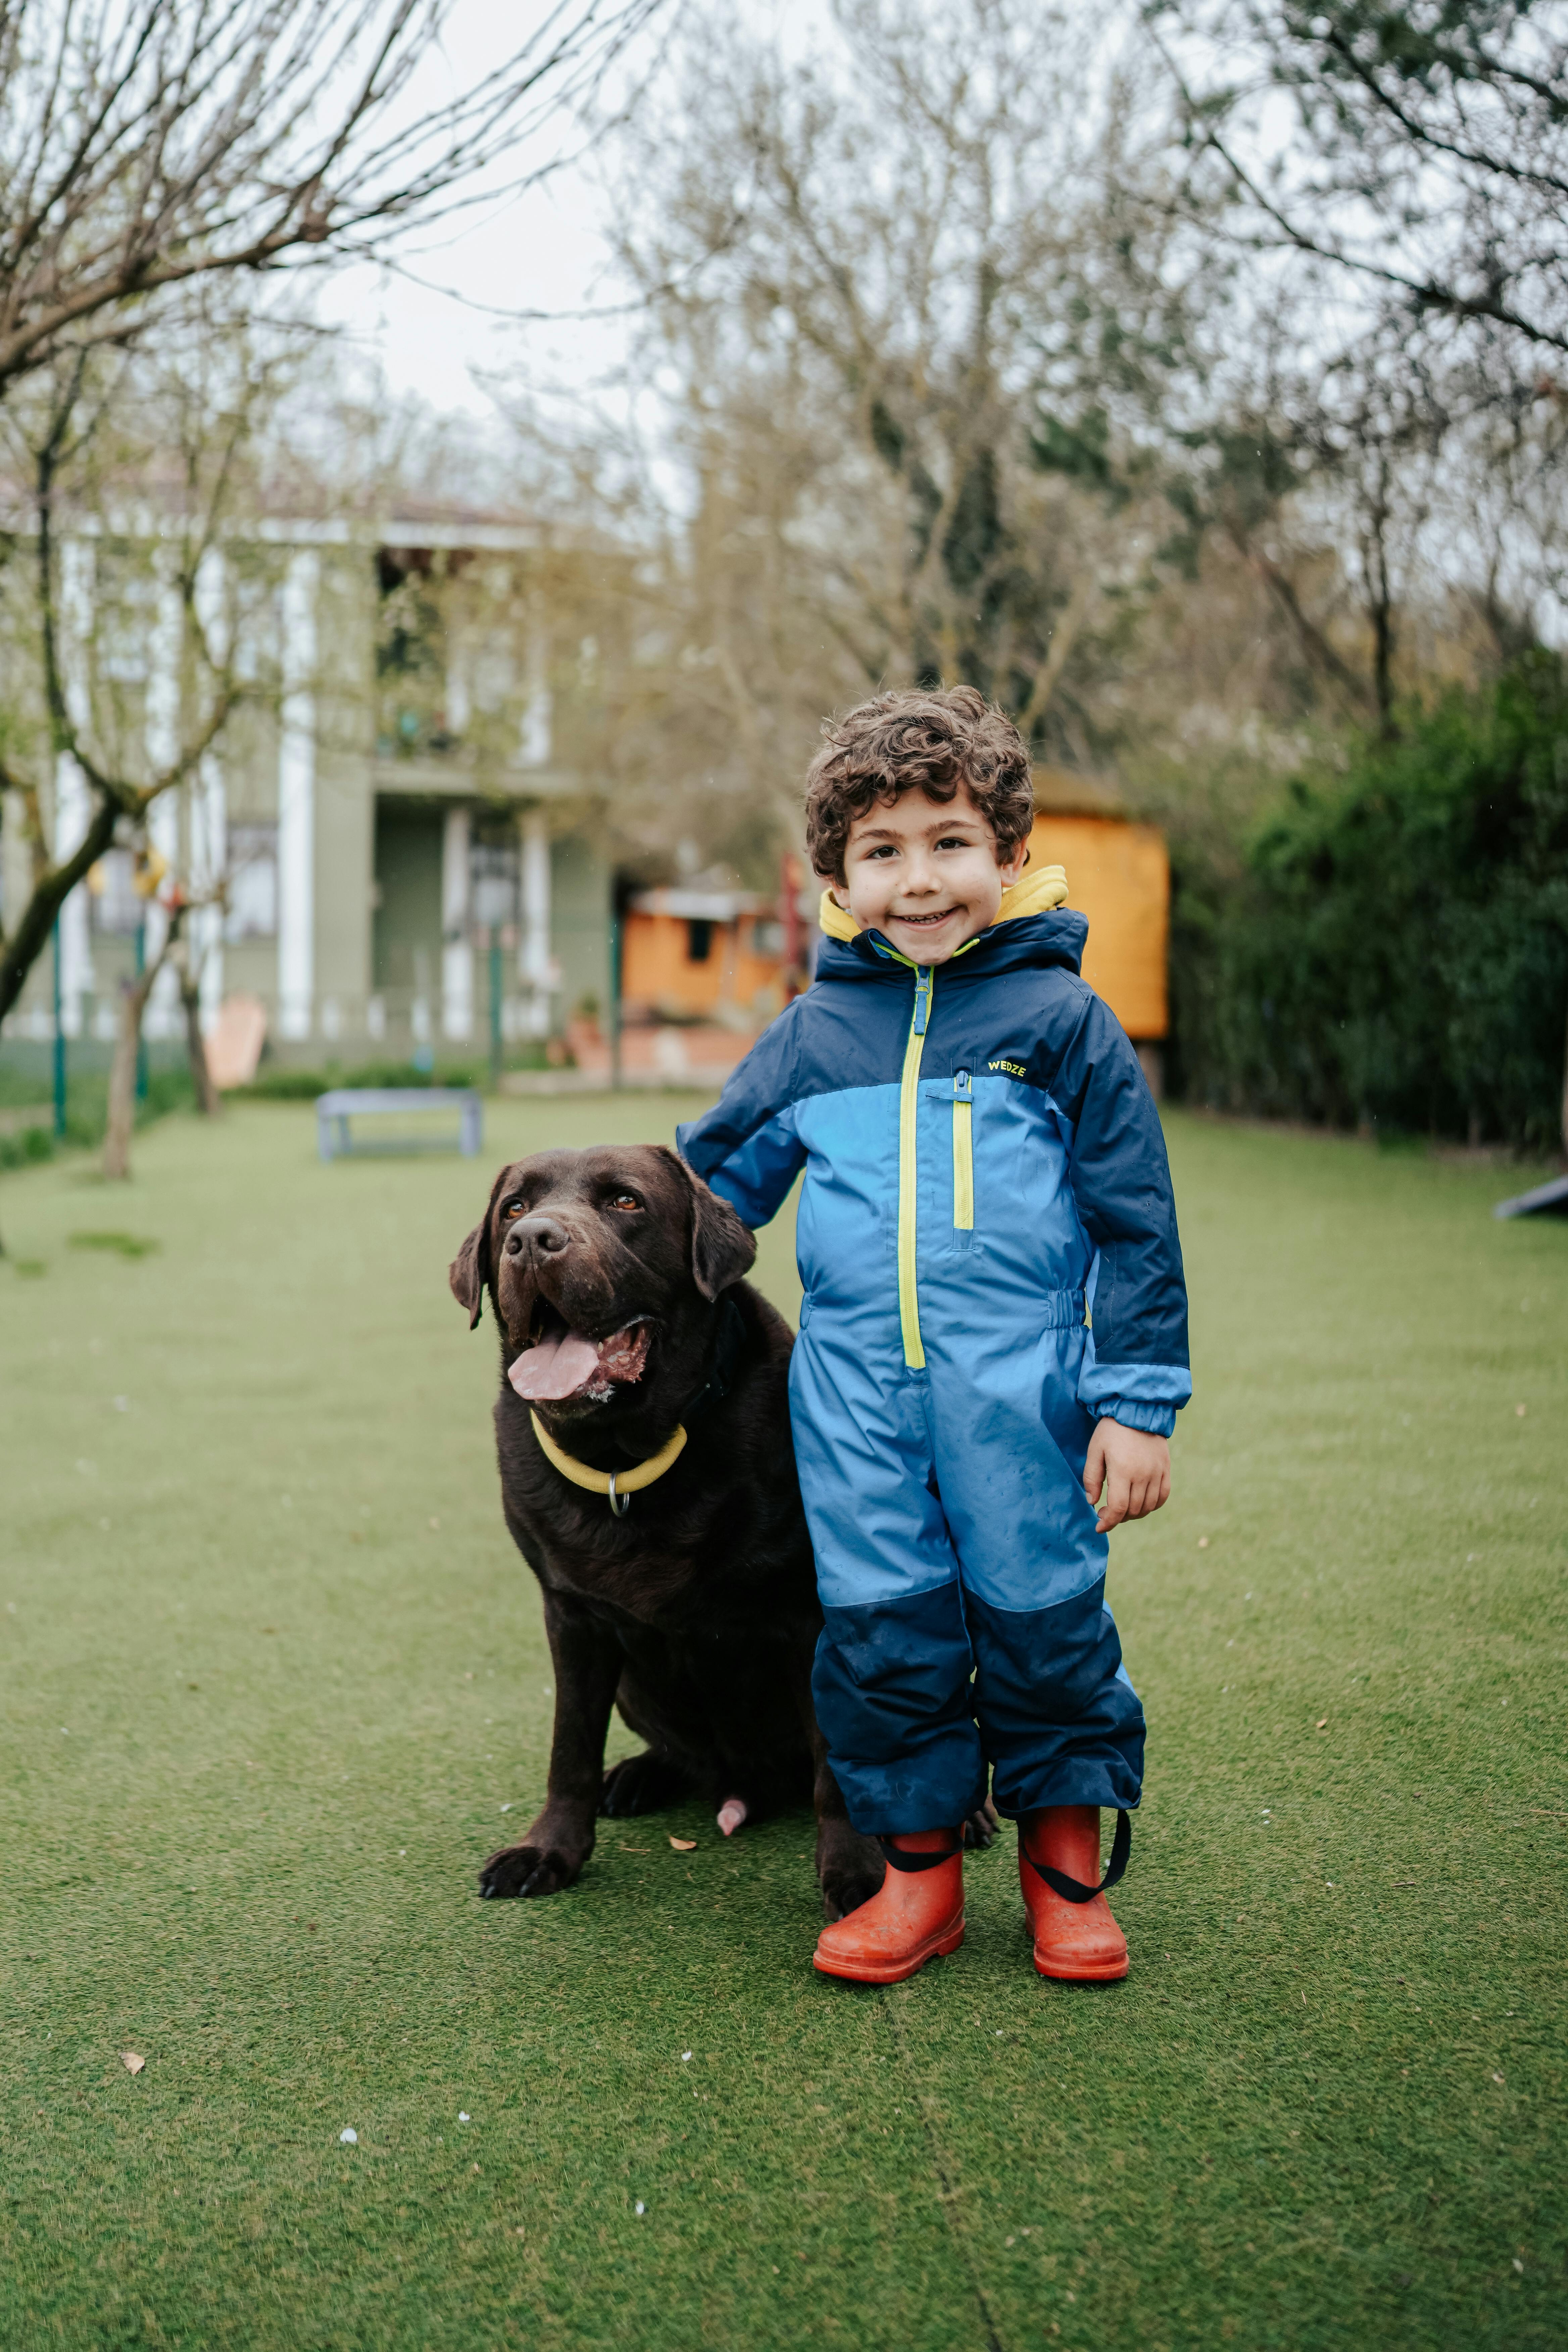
x: 252, y: 882
x: 698, y: 940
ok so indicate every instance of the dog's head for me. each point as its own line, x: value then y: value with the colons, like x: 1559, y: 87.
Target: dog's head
x: 600, y: 1264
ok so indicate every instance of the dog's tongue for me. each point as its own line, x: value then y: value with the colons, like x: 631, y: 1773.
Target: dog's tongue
x: 556, y: 1368
x: 561, y: 1368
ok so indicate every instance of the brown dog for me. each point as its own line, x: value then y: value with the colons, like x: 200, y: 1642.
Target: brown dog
x: 690, y: 1602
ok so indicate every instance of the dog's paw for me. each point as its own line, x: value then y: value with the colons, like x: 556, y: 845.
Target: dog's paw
x: 849, y: 1870
x: 642, y: 1784
x: 981, y: 1828
x: 527, y: 1870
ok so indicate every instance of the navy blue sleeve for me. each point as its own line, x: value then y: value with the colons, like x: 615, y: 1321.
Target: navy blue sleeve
x: 1136, y: 1355
x: 746, y: 1147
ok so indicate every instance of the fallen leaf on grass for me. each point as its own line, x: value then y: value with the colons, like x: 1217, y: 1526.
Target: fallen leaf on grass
x: 633, y: 1849
x: 132, y: 2060
x: 1322, y: 1723
x: 684, y: 1845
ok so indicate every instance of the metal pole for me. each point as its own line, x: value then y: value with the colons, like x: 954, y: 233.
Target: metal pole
x: 495, y: 1006
x: 616, y: 1001
x: 140, y: 1034
x: 60, y: 1045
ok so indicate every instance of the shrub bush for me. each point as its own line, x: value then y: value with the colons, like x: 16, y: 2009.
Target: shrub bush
x: 1395, y: 949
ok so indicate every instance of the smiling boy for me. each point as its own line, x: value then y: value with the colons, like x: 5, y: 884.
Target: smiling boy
x: 993, y: 1340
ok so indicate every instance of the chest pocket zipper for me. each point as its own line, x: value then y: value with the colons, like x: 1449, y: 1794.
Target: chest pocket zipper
x: 963, y: 1152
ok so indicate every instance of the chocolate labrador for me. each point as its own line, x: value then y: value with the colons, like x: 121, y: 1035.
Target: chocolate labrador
x: 648, y: 1479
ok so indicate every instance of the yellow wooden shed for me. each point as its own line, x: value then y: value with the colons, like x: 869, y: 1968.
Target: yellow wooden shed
x: 1119, y: 876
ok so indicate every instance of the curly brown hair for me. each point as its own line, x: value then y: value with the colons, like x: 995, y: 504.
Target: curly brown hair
x: 931, y: 742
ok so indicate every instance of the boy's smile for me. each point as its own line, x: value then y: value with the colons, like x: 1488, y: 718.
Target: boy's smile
x: 925, y: 874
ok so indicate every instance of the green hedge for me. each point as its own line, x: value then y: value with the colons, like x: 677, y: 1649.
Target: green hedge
x: 1394, y: 948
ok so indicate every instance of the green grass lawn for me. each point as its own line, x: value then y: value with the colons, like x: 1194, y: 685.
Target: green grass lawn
x: 272, y: 1673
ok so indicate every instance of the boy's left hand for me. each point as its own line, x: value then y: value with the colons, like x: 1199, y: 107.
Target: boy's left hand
x: 1127, y: 1473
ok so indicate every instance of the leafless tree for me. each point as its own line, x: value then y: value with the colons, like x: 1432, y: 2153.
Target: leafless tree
x: 1427, y: 155
x: 87, y: 432
x: 921, y: 399
x: 147, y: 147
x: 896, y: 347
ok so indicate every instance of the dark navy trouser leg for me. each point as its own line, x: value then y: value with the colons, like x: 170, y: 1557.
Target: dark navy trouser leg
x: 1060, y: 1722
x: 963, y: 1586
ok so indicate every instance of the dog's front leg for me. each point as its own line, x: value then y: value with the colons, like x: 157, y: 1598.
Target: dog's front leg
x: 588, y: 1662
x: 849, y: 1870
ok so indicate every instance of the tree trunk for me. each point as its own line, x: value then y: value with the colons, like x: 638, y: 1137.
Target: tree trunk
x: 209, y: 1102
x: 122, y: 1076
x: 122, y: 1069
x: 31, y: 936
x: 1565, y: 1096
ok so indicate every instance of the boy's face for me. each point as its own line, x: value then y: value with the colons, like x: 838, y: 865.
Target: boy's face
x: 925, y: 874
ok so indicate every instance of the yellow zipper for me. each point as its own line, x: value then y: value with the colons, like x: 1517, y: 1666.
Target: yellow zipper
x: 908, y: 1105
x: 963, y: 1152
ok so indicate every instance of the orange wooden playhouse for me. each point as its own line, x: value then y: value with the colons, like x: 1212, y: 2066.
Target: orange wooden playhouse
x: 1118, y: 876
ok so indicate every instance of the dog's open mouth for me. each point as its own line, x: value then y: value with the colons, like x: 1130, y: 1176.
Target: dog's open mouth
x: 559, y: 1362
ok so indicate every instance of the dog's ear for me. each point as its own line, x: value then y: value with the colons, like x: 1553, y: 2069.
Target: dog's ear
x: 722, y: 1248
x: 469, y: 1272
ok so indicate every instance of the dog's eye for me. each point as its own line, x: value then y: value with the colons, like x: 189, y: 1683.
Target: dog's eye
x: 512, y: 1208
x: 626, y: 1200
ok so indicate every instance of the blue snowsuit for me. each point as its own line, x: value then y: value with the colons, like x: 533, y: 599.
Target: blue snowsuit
x: 987, y: 1246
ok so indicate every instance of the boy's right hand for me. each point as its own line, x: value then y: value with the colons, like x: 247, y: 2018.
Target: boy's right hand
x: 1127, y: 1474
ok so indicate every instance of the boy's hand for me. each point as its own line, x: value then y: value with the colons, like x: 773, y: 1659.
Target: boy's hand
x: 1130, y: 1469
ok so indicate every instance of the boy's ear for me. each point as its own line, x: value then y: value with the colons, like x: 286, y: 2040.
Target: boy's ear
x: 469, y: 1272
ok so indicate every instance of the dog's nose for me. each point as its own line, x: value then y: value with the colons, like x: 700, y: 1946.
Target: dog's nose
x: 550, y: 1237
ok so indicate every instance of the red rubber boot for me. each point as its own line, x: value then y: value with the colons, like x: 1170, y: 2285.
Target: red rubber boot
x: 917, y: 1914
x: 1076, y: 1938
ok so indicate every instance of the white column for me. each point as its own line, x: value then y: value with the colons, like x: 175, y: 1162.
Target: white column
x: 535, y: 964
x: 457, y: 951
x: 160, y: 733
x: 209, y: 804
x: 73, y: 801
x: 297, y: 801
x: 535, y: 746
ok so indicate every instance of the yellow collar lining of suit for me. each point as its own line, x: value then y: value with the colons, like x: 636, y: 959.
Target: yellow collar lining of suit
x: 620, y: 1485
x: 1032, y: 894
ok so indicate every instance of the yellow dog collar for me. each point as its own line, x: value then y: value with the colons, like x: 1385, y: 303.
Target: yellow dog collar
x: 620, y: 1485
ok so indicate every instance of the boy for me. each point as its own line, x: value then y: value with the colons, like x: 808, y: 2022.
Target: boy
x: 993, y: 1340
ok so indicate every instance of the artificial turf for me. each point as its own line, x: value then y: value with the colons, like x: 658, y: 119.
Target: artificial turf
x: 272, y: 1672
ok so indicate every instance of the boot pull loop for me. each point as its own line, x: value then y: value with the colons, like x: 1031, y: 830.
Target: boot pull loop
x: 1072, y: 1890
x: 897, y: 1860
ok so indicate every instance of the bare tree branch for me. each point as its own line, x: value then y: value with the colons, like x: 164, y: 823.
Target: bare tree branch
x: 153, y: 147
